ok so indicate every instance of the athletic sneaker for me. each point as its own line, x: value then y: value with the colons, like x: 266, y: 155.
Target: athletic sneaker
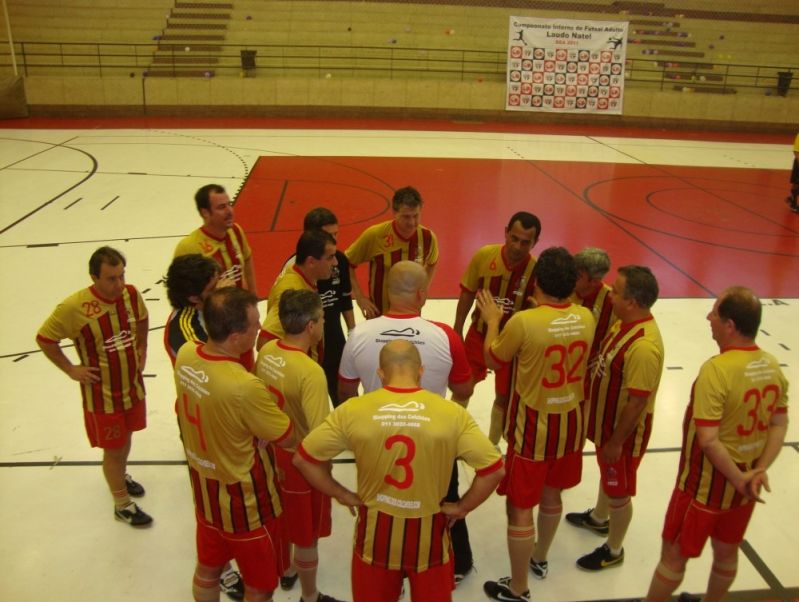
x: 133, y: 515
x: 539, y: 569
x: 500, y: 590
x: 599, y: 559
x: 134, y: 489
x: 586, y: 521
x: 286, y: 583
x: 232, y: 584
x: 686, y: 597
x: 325, y: 598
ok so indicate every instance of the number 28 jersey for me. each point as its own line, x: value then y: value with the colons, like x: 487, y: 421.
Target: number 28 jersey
x: 737, y: 391
x: 404, y: 441
x: 550, y: 345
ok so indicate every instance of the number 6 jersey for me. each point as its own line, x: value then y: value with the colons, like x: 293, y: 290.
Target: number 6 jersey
x: 404, y: 441
x: 737, y: 391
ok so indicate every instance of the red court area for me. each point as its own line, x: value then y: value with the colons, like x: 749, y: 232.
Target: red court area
x: 699, y: 229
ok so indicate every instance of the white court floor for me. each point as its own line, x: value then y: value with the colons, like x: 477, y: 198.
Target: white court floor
x: 59, y: 540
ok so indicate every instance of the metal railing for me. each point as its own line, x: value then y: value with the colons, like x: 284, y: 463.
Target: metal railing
x: 392, y: 62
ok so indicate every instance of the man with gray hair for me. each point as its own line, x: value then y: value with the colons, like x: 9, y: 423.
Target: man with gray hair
x: 593, y: 264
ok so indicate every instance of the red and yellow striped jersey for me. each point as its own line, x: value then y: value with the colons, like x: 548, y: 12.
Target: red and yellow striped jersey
x: 223, y: 411
x: 105, y: 337
x: 601, y: 307
x: 550, y: 346
x: 629, y: 362
x: 291, y: 279
x: 737, y: 391
x: 230, y: 252
x: 510, y: 287
x: 297, y: 382
x: 382, y: 246
x: 404, y: 442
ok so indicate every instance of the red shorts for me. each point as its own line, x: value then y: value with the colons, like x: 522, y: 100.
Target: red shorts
x: 473, y: 343
x: 376, y: 584
x: 259, y: 553
x: 525, y: 479
x: 307, y: 513
x: 112, y: 431
x: 618, y: 479
x: 691, y: 523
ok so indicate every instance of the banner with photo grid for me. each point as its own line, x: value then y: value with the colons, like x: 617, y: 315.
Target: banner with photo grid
x: 566, y: 65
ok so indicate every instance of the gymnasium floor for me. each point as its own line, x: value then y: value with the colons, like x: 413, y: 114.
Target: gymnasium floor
x: 704, y: 211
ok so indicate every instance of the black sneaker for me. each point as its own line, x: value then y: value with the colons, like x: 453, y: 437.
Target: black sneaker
x: 232, y: 584
x: 599, y: 559
x: 500, y: 590
x: 325, y: 598
x: 539, y: 569
x: 133, y: 515
x: 586, y: 521
x: 134, y: 489
x: 462, y: 575
x: 286, y: 583
x: 686, y: 597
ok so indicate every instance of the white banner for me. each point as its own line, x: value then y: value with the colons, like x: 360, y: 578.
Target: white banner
x: 566, y: 65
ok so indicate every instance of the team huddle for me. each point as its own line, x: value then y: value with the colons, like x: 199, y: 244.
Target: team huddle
x: 573, y: 359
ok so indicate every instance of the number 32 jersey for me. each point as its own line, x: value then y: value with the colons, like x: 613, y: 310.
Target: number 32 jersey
x: 404, y: 441
x: 737, y: 391
x: 550, y: 345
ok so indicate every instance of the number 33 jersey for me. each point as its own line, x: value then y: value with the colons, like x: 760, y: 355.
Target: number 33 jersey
x: 737, y: 391
x: 404, y: 441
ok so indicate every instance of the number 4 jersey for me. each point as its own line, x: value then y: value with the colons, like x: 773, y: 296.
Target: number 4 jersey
x: 737, y: 391
x: 404, y: 441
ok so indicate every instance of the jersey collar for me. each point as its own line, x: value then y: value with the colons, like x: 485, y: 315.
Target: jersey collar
x: 402, y: 389
x: 301, y: 275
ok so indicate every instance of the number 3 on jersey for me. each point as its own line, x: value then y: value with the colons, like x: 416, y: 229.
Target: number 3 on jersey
x: 403, y: 462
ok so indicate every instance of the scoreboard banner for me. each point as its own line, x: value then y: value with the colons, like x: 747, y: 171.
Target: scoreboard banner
x: 566, y: 65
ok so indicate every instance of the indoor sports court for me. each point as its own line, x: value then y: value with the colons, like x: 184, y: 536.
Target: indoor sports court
x: 703, y: 211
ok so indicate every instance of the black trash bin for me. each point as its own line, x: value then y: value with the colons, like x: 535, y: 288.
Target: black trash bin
x: 248, y: 62
x: 784, y: 79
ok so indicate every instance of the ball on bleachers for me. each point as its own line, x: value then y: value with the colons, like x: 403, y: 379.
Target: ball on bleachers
x: 187, y: 49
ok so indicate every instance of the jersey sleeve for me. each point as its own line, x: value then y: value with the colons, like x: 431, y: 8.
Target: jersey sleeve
x: 346, y: 368
x: 141, y: 307
x: 184, y: 247
x: 345, y: 302
x: 475, y: 448
x: 509, y: 340
x: 60, y: 325
x: 472, y: 274
x: 245, y: 244
x: 461, y: 371
x: 643, y: 368
x: 709, y: 395
x: 261, y: 413
x: 315, y: 404
x: 359, y: 251
x: 327, y: 440
x: 432, y: 257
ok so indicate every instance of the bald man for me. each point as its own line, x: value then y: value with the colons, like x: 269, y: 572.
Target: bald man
x: 443, y: 357
x: 405, y: 440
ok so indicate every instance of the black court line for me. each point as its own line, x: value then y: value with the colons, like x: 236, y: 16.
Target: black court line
x: 50, y: 146
x: 80, y: 198
x: 784, y: 346
x: 54, y: 463
x: 585, y: 198
x: 674, y: 367
x: 777, y: 588
x: 21, y: 357
x: 91, y: 173
x: 279, y: 205
x: 108, y: 204
x: 84, y: 242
